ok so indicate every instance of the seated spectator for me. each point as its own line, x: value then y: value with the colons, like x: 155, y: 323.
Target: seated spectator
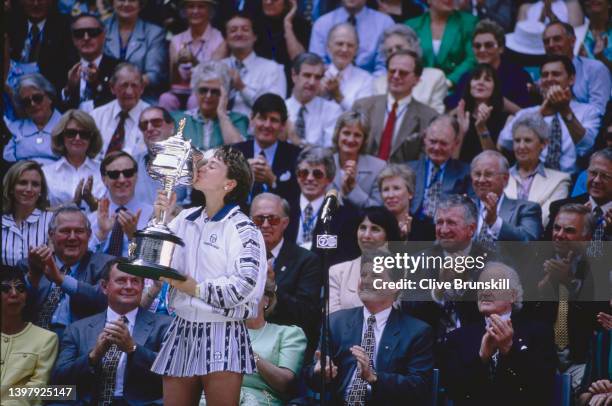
x: 567, y: 11
x: 377, y: 227
x: 25, y: 218
x: 62, y: 277
x: 489, y: 44
x: 506, y: 357
x: 76, y: 176
x: 120, y: 214
x: 481, y: 107
x: 251, y: 74
x: 394, y: 359
x: 501, y: 218
x: 312, y: 117
x: 194, y: 46
x: 118, y: 120
x: 369, y: 25
x: 130, y: 39
x: 529, y: 179
x: 431, y: 89
x: 87, y: 86
x: 272, y: 161
x: 28, y: 351
x: 573, y: 126
x: 592, y: 81
x: 596, y: 44
x: 108, y: 356
x: 437, y: 173
x: 396, y: 183
x: 279, y: 353
x: 343, y: 82
x: 445, y: 35
x: 211, y: 123
x: 296, y: 272
x: 499, y: 11
x: 598, y: 196
x: 31, y: 136
x: 397, y: 120
x: 356, y: 172
x: 315, y: 170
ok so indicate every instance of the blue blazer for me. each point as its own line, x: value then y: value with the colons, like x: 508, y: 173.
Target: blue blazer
x: 522, y: 220
x: 140, y: 385
x: 404, y: 361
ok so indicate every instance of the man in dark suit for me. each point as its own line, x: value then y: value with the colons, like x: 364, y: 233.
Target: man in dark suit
x: 397, y: 120
x: 296, y: 272
x: 272, y: 161
x: 121, y: 343
x: 437, y: 174
x: 503, y: 359
x: 598, y: 196
x: 41, y: 35
x: 89, y: 78
x: 378, y: 355
x: 63, y: 281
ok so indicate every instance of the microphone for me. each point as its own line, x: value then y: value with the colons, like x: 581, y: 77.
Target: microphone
x: 330, y: 204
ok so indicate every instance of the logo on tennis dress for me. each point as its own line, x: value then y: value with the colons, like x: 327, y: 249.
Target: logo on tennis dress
x: 212, y: 241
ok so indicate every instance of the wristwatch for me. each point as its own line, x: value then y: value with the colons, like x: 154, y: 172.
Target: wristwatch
x: 133, y: 350
x: 569, y: 117
x: 197, y: 291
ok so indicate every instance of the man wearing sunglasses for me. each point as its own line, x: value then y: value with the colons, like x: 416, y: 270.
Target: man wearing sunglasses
x: 87, y: 86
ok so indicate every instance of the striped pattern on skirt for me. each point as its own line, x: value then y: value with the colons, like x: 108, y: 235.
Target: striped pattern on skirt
x: 199, y: 348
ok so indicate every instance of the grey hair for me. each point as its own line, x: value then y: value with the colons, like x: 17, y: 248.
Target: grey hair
x: 401, y: 170
x: 589, y: 220
x: 469, y: 208
x: 130, y: 67
x: 451, y: 121
x: 67, y: 208
x: 504, y: 166
x: 513, y: 278
x: 38, y: 81
x: 271, y: 196
x: 343, y: 25
x: 211, y: 70
x: 605, y: 153
x: 407, y: 33
x: 316, y: 156
x: 535, y: 123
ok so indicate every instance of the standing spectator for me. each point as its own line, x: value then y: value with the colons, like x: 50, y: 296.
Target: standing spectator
x: 28, y: 351
x: 75, y: 177
x: 445, y: 35
x: 312, y: 117
x: 597, y: 43
x: 143, y: 44
x: 118, y: 120
x: 369, y: 25
x: 356, y: 172
x: 25, y: 218
x: 36, y: 97
x: 88, y: 84
x: 251, y: 75
x: 343, y: 82
x: 211, y: 123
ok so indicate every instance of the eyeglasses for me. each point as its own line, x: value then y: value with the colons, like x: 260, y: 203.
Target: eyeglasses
x: 71, y: 133
x: 317, y: 174
x: 604, y: 176
x: 485, y: 175
x: 272, y: 220
x: 485, y: 45
x: 6, y: 287
x: 34, y: 99
x: 203, y: 91
x: 91, y: 32
x: 127, y: 173
x: 401, y: 73
x: 155, y: 122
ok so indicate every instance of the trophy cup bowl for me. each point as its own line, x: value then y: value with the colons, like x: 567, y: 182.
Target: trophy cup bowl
x: 152, y: 249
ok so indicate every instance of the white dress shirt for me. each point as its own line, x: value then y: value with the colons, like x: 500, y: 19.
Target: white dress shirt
x: 107, y: 119
x: 402, y: 106
x: 320, y: 119
x: 316, y: 205
x: 112, y: 316
x: 63, y: 178
x: 355, y: 84
x: 260, y: 76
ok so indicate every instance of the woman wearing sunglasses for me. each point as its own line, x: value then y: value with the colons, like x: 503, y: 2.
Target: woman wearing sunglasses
x: 224, y: 261
x: 211, y: 124
x: 35, y: 99
x: 75, y: 177
x: 28, y: 351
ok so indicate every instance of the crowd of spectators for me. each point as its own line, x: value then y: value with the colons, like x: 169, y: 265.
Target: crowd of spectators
x: 449, y: 127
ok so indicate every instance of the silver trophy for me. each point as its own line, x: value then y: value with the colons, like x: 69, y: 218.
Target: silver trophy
x: 151, y: 251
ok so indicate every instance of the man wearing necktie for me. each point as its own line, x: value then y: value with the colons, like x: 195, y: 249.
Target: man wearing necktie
x: 108, y: 356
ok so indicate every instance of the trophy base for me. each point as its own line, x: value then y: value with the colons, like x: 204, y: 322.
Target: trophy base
x: 150, y: 270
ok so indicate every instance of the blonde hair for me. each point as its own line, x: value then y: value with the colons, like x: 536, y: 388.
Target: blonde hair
x: 85, y: 121
x: 12, y: 177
